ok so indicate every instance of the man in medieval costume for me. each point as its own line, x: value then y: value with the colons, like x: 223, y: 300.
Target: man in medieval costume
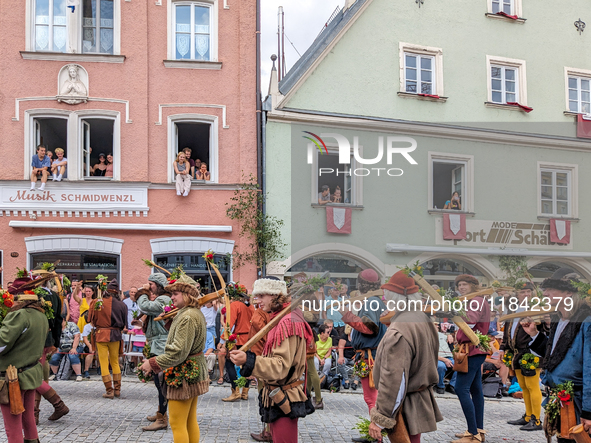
x: 281, y: 364
x: 52, y: 343
x: 368, y: 331
x: 567, y: 349
x: 516, y: 341
x: 405, y: 368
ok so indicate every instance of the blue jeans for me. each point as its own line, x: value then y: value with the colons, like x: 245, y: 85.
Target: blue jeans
x: 57, y: 358
x: 441, y: 370
x: 469, y: 390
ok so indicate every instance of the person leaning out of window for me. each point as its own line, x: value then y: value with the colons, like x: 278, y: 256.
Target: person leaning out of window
x: 182, y: 169
x: 203, y: 173
x: 324, y: 195
x: 454, y: 203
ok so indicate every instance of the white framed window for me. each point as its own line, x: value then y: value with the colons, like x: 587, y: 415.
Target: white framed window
x: 504, y: 85
x: 419, y: 76
x: 83, y: 136
x: 345, y: 185
x: 509, y: 7
x: 506, y: 80
x: 421, y: 69
x: 450, y: 173
x: 505, y: 6
x: 98, y: 26
x: 578, y: 90
x: 199, y: 133
x: 557, y: 190
x: 94, y: 27
x: 193, y: 33
x: 50, y: 25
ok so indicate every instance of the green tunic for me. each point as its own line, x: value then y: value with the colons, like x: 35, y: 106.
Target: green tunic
x: 186, y: 337
x: 22, y: 338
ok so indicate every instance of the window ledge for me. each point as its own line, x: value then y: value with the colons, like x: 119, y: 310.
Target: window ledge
x: 337, y: 205
x: 501, y: 17
x: 64, y: 57
x: 422, y: 97
x: 450, y: 211
x: 573, y: 114
x: 97, y: 179
x: 558, y: 217
x: 198, y: 186
x: 503, y: 106
x: 192, y: 64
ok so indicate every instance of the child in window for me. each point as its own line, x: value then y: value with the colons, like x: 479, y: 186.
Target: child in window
x: 202, y: 173
x: 182, y: 169
x: 336, y: 196
x: 58, y: 167
x: 454, y: 203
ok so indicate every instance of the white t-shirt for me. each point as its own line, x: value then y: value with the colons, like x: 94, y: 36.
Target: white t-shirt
x: 64, y: 159
x: 87, y: 330
x: 209, y: 314
x: 559, y: 329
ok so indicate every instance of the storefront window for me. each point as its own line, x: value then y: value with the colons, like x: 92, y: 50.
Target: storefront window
x: 545, y: 270
x: 85, y: 266
x: 196, y: 268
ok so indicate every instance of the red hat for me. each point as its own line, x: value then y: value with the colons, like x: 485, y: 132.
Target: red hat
x: 369, y: 275
x: 467, y: 278
x: 401, y: 284
x: 16, y: 285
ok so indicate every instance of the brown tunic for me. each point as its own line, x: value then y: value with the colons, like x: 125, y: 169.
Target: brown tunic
x: 258, y: 321
x: 109, y: 320
x: 407, y: 357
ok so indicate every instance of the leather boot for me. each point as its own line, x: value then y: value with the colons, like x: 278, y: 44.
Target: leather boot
x: 108, y: 386
x: 469, y: 438
x: 519, y: 422
x: 37, y: 401
x: 117, y: 384
x: 60, y: 409
x: 244, y: 395
x: 152, y: 418
x: 161, y: 422
x: 481, y: 432
x: 235, y: 396
x: 263, y: 436
x: 32, y: 441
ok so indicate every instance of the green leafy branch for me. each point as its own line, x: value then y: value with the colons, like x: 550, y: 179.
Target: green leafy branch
x: 263, y: 231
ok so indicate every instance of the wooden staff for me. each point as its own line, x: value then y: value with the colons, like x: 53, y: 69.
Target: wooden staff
x: 524, y: 314
x: 579, y: 434
x: 307, y: 294
x: 426, y: 287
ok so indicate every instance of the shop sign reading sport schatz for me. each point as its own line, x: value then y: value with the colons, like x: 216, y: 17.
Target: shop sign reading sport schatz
x: 488, y: 233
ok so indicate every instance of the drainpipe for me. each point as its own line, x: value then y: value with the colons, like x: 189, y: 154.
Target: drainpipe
x: 260, y: 137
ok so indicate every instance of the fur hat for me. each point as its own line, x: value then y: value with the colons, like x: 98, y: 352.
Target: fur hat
x: 401, y: 284
x: 562, y: 280
x: 158, y: 278
x: 269, y: 286
x: 467, y: 278
x: 184, y: 284
x: 369, y: 275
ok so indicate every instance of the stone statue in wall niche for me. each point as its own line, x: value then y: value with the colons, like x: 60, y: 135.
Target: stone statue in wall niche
x: 72, y: 85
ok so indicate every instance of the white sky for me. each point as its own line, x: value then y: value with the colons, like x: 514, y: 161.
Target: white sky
x: 304, y: 19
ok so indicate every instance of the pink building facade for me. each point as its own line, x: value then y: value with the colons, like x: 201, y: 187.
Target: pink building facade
x: 139, y: 80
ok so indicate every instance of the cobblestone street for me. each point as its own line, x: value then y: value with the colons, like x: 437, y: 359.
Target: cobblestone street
x: 94, y: 419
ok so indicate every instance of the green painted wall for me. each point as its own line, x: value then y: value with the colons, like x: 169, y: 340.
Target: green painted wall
x: 361, y: 74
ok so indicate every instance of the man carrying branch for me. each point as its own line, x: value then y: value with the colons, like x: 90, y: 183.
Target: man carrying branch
x: 283, y: 398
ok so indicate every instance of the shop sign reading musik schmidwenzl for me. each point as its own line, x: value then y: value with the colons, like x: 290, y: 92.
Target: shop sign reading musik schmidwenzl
x: 81, y: 197
x: 488, y: 233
